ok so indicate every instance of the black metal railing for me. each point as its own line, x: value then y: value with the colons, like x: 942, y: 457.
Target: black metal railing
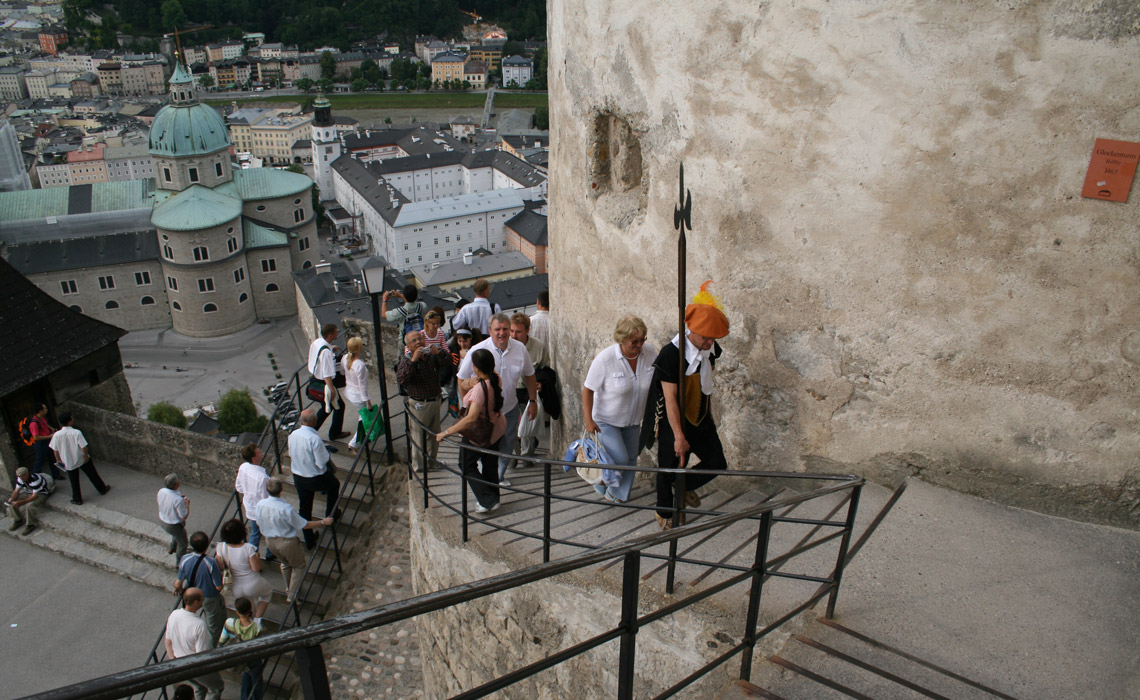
x: 305, y: 643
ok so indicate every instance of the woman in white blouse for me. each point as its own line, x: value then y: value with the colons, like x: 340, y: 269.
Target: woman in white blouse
x: 613, y: 401
x: 356, y: 384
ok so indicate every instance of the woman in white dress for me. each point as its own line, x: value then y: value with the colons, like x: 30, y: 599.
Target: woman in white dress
x: 356, y: 385
x: 613, y: 402
x: 244, y: 564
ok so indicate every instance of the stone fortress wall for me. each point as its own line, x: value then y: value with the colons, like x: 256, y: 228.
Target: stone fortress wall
x: 887, y: 195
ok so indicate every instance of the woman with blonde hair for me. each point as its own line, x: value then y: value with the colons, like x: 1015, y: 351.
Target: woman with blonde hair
x: 356, y: 384
x: 613, y: 401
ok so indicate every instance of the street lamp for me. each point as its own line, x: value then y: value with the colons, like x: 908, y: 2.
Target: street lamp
x: 374, y: 285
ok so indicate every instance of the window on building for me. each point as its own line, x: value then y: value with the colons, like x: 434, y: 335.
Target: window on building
x: 261, y: 207
x: 210, y: 308
x: 435, y: 241
x: 166, y: 174
x: 231, y: 244
x: 107, y: 282
x: 147, y: 301
x: 271, y: 287
x: 243, y: 298
x: 172, y: 283
x: 193, y: 174
x: 419, y: 258
x: 76, y: 308
x: 269, y: 265
x: 69, y: 287
x: 407, y: 261
x: 201, y: 253
x: 218, y: 169
x: 167, y: 252
x: 206, y: 284
x: 405, y: 246
x: 239, y: 275
x: 298, y: 215
x: 492, y: 246
x: 437, y: 256
x: 419, y: 244
x: 142, y: 278
x: 297, y: 200
x: 303, y: 244
x: 176, y: 306
x: 111, y: 305
x: 307, y: 264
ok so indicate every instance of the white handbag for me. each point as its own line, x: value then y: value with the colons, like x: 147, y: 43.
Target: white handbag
x: 588, y: 450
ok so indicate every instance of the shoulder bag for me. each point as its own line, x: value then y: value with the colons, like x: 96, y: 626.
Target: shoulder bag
x: 479, y: 432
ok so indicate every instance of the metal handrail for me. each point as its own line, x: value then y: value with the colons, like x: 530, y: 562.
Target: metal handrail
x: 306, y: 641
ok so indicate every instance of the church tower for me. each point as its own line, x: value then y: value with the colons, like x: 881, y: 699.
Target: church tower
x: 326, y: 146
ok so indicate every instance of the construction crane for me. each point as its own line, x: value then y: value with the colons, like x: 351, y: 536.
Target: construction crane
x: 473, y: 16
x: 178, y: 40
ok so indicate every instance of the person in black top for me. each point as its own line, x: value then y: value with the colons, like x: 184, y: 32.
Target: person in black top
x: 663, y: 415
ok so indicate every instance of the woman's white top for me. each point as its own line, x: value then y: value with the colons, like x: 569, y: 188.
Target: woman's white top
x: 355, y: 380
x: 619, y: 391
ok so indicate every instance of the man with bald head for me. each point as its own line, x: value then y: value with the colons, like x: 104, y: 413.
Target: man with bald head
x: 186, y: 635
x: 312, y: 471
x: 418, y: 372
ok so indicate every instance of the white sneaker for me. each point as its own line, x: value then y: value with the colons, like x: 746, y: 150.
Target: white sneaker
x: 480, y: 509
x: 494, y: 507
x: 504, y: 482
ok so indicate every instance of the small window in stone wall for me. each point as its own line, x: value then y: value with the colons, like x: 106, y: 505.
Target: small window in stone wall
x: 218, y: 169
x: 111, y: 305
x: 307, y: 265
x: 271, y: 287
x: 210, y: 308
x: 243, y: 298
x: 261, y: 207
x: 147, y: 301
x: 76, y: 308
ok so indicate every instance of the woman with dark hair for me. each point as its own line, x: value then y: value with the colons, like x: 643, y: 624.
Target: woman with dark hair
x: 243, y: 562
x: 41, y: 434
x: 484, y: 400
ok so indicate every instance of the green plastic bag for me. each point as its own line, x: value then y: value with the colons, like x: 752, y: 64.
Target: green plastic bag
x: 373, y: 421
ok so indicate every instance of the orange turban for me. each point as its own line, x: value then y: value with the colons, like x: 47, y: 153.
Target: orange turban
x: 704, y: 316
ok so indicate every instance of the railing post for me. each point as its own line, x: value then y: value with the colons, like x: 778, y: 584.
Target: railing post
x: 368, y: 462
x: 844, y: 542
x: 300, y: 392
x: 276, y: 446
x: 758, y: 571
x: 631, y: 575
x: 678, y: 513
x: 545, y: 512
x: 462, y: 492
x: 408, y: 438
x: 314, y: 675
x: 336, y: 548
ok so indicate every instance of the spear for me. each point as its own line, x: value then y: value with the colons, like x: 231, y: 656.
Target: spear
x: 682, y: 219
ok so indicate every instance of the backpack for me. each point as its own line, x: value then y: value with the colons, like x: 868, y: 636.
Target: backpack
x: 413, y: 321
x: 26, y: 431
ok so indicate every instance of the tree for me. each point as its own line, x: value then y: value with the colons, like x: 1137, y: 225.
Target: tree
x: 167, y: 413
x: 370, y: 71
x: 512, y: 48
x: 542, y: 118
x: 173, y: 16
x: 328, y: 65
x: 358, y: 85
x: 304, y: 84
x: 237, y: 414
x: 206, y: 81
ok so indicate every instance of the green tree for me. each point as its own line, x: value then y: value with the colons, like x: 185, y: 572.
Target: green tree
x: 358, y: 85
x: 370, y: 71
x: 206, y: 81
x: 541, y: 118
x: 237, y: 414
x: 173, y: 16
x: 512, y: 48
x: 328, y: 65
x: 304, y: 84
x: 75, y: 15
x: 166, y: 412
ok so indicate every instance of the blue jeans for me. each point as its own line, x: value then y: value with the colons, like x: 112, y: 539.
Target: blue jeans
x: 620, y: 445
x: 507, y: 442
x: 254, y: 533
x: 252, y: 687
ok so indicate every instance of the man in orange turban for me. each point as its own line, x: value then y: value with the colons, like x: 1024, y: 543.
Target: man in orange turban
x: 692, y: 430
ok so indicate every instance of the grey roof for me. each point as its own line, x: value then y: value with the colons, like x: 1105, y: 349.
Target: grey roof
x: 78, y: 226
x: 369, y: 186
x: 512, y: 294
x: 372, y: 138
x: 530, y: 225
x: 389, y: 166
x: 517, y: 61
x: 518, y: 170
x: 75, y: 253
x: 478, y: 267
x: 423, y: 140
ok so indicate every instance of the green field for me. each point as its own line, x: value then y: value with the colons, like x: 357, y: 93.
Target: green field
x: 429, y: 100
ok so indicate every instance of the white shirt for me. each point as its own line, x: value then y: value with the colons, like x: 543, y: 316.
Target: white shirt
x: 511, y: 364
x: 187, y: 633
x: 355, y: 380
x: 540, y: 327
x: 277, y: 518
x: 172, y: 508
x: 250, y: 483
x: 69, y: 443
x: 326, y: 367
x: 307, y: 453
x: 619, y: 392
x: 476, y: 316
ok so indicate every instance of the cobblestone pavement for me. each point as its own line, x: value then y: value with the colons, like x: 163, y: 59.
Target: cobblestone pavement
x: 384, y: 662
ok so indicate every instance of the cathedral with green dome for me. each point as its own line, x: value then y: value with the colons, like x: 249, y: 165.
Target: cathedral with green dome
x: 204, y: 248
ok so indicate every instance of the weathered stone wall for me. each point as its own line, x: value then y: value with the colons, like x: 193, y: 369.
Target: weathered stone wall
x: 887, y: 195
x: 114, y: 395
x: 157, y: 448
x: 470, y: 644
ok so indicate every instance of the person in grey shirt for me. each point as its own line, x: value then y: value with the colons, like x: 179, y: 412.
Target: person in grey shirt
x: 281, y: 524
x: 173, y: 510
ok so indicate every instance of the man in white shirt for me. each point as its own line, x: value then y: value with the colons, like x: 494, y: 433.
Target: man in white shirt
x: 309, y: 462
x: 173, y: 510
x: 511, y: 362
x: 281, y: 524
x: 477, y: 315
x: 322, y: 365
x: 70, y: 448
x: 186, y: 635
x: 540, y: 321
x: 250, y: 483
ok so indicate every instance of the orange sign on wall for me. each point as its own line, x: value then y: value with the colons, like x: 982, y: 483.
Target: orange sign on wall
x: 1111, y: 169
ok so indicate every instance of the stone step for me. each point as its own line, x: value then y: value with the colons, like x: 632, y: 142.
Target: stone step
x: 108, y: 519
x: 111, y: 532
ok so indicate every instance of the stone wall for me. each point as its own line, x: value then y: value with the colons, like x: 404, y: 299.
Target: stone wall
x: 887, y: 195
x: 467, y: 645
x: 113, y: 395
x: 156, y: 448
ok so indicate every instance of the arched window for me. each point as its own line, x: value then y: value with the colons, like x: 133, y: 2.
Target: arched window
x: 177, y: 306
x: 147, y: 301
x: 307, y: 265
x: 76, y: 309
x: 111, y: 304
x: 210, y: 308
x: 269, y: 288
x: 242, y: 299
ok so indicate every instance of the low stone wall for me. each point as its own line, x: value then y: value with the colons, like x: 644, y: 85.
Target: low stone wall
x: 465, y: 646
x: 156, y: 448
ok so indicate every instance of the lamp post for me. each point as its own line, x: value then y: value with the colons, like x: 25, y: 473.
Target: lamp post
x: 374, y: 285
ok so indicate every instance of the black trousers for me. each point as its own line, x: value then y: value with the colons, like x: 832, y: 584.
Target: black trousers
x: 307, y: 488
x: 87, y: 468
x: 471, y: 460
x: 704, y: 443
x: 337, y: 425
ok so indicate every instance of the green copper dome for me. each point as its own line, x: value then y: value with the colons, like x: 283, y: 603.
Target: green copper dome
x: 195, y: 209
x: 184, y: 127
